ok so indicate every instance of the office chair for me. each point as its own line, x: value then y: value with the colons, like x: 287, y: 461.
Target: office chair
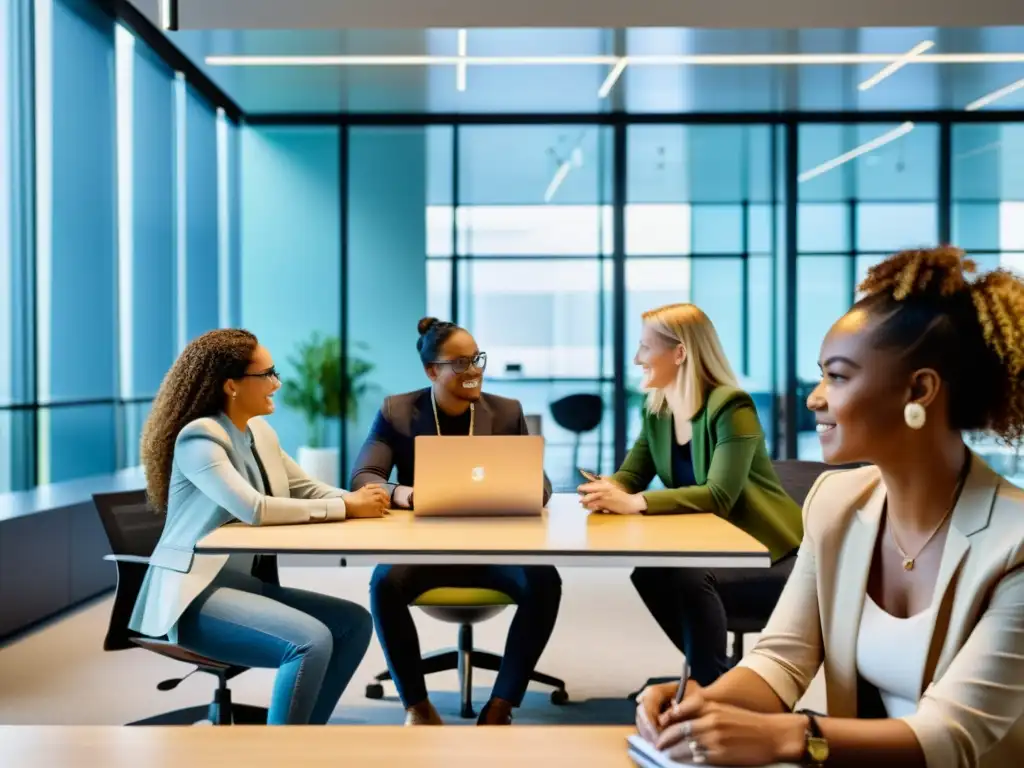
x: 133, y: 530
x: 465, y: 607
x: 578, y: 414
x: 796, y: 478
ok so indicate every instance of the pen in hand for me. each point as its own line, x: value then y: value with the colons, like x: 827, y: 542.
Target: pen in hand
x: 681, y: 690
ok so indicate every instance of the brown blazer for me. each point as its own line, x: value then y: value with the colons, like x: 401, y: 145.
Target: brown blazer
x: 972, y: 692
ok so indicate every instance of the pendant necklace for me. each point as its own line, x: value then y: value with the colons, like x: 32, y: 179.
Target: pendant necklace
x: 437, y: 423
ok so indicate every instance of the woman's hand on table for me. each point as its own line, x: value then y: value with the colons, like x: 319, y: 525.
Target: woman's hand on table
x: 701, y: 731
x: 653, y: 702
x: 402, y: 498
x: 368, y: 501
x: 605, y: 496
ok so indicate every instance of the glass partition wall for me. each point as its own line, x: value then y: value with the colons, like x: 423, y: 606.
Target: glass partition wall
x: 548, y: 241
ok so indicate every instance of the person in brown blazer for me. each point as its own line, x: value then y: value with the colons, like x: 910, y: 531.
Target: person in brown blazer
x: 908, y: 586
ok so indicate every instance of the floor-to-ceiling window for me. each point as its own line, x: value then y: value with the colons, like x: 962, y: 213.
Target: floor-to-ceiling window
x: 865, y: 191
x: 700, y: 226
x: 988, y: 221
x: 521, y: 248
x: 95, y: 246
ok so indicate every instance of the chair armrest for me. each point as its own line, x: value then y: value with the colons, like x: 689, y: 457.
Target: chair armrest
x: 139, y: 559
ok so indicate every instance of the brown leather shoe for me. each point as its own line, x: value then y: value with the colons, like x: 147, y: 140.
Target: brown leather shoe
x: 423, y: 714
x: 495, y: 712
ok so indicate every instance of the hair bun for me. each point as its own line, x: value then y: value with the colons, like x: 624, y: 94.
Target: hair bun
x: 933, y: 272
x: 426, y: 324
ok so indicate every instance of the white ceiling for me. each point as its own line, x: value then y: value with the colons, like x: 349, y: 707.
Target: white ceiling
x: 560, y: 87
x: 721, y: 14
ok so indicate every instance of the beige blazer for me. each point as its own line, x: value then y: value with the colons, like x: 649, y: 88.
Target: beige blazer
x: 209, y: 486
x: 972, y: 691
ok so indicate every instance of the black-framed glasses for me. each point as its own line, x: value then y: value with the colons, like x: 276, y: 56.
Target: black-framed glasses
x: 461, y: 364
x: 270, y: 373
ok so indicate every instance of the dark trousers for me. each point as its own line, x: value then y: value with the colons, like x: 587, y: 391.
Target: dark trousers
x: 690, y: 605
x: 536, y: 591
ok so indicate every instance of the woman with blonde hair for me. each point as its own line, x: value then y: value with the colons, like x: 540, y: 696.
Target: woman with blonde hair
x: 701, y: 436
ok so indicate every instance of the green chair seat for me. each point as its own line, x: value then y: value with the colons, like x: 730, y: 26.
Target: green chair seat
x: 462, y: 596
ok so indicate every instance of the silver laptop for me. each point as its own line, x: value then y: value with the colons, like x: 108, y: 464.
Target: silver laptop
x: 481, y: 475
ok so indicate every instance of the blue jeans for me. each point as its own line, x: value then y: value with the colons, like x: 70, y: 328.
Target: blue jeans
x: 314, y: 641
x: 536, y: 590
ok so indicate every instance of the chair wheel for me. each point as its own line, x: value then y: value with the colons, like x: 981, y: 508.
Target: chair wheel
x: 375, y: 691
x: 559, y: 696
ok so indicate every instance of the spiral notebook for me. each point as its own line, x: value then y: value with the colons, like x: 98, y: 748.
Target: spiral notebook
x: 646, y: 756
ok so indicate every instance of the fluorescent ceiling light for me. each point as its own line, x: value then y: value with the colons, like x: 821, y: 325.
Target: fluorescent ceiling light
x: 696, y: 60
x: 984, y: 101
x: 846, y: 157
x: 460, y: 68
x: 165, y: 14
x: 575, y: 161
x: 897, y: 65
x: 613, y: 77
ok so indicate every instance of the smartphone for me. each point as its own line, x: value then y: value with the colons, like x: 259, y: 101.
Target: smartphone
x: 589, y: 475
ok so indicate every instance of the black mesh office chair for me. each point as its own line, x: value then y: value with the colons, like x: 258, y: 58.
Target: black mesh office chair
x: 578, y: 414
x: 796, y: 478
x: 133, y: 530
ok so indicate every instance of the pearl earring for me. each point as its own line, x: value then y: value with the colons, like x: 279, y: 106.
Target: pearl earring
x: 914, y: 415
x: 234, y: 395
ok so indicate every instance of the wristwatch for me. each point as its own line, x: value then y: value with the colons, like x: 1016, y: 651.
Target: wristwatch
x: 815, y: 744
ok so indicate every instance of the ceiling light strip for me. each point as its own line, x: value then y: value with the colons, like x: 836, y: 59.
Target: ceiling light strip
x: 846, y: 157
x: 556, y: 181
x: 612, y: 79
x: 719, y: 60
x: 897, y: 65
x: 984, y: 101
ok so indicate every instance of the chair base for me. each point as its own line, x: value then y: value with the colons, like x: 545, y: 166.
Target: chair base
x: 241, y: 714
x: 464, y: 658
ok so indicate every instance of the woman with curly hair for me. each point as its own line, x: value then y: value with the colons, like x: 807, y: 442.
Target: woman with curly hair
x: 210, y: 459
x: 909, y: 584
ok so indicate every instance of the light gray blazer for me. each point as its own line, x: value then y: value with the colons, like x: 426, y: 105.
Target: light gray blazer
x: 208, y: 488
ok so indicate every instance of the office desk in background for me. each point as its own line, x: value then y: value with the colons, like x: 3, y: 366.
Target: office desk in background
x: 565, y: 535
x: 313, y: 747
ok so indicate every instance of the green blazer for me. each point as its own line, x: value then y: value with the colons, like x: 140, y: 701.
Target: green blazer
x: 735, y: 476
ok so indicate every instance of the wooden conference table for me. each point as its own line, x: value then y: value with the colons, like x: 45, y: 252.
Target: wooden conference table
x: 313, y: 747
x: 565, y: 535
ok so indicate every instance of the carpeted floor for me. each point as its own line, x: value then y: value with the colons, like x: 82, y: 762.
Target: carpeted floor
x: 605, y: 645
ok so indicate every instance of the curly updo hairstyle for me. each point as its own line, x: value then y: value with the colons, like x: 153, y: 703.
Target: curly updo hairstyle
x: 192, y: 389
x: 969, y: 329
x: 433, y: 334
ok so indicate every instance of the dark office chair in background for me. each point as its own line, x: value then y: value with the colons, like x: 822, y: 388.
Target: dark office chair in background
x: 578, y: 414
x: 796, y: 478
x: 133, y: 530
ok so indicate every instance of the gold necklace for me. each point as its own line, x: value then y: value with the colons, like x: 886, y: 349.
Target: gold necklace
x: 437, y: 423
x: 908, y: 561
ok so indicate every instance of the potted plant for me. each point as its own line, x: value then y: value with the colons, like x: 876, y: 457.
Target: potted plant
x: 320, y: 391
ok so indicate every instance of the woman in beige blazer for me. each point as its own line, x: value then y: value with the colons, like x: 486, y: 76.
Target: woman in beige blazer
x: 909, y: 586
x: 211, y: 459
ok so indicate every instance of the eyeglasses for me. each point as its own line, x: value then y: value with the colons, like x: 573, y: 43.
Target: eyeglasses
x: 270, y: 373
x: 461, y: 364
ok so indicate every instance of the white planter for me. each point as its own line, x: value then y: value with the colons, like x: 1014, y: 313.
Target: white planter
x: 320, y: 464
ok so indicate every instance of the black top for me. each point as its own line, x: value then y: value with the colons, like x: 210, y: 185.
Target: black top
x: 682, y: 465
x: 390, y: 446
x: 453, y: 425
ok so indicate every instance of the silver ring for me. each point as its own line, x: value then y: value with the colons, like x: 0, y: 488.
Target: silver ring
x: 687, y: 729
x: 697, y: 751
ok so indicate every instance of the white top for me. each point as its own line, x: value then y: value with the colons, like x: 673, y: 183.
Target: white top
x: 891, y: 654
